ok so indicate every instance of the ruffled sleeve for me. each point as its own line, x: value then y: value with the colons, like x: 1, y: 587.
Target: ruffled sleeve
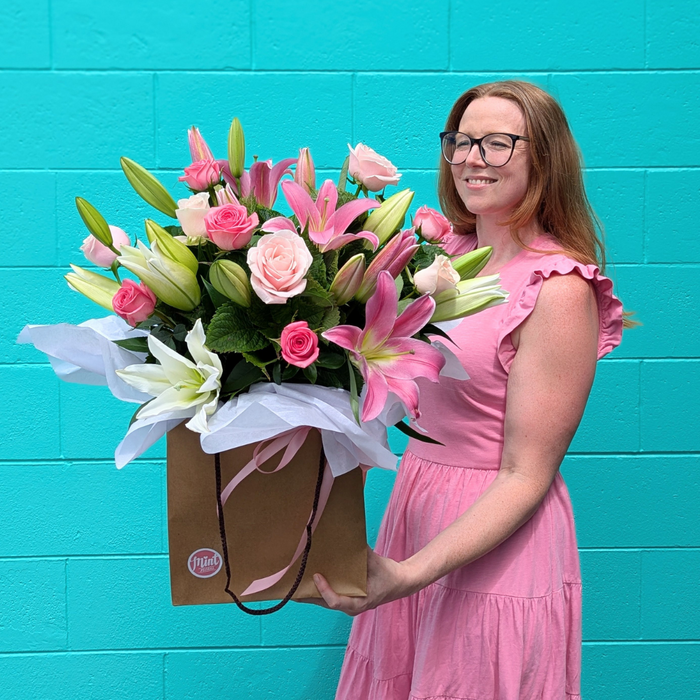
x: 609, y: 306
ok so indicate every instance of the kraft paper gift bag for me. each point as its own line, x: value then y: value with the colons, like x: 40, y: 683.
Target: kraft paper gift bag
x: 265, y: 518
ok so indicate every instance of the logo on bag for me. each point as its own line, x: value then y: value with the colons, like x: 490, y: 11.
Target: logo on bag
x: 204, y: 563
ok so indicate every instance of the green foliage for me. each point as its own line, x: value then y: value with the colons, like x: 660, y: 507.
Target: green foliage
x: 241, y: 377
x: 318, y: 294
x: 331, y: 319
x: 231, y: 330
x: 331, y: 260
x: 134, y: 344
x: 425, y: 255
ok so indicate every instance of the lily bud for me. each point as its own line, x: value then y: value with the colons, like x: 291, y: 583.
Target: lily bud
x: 468, y: 297
x: 230, y: 279
x: 348, y: 279
x: 305, y: 173
x: 469, y: 265
x: 94, y: 221
x: 176, y: 250
x: 198, y: 146
x: 392, y: 258
x: 96, y: 287
x: 389, y: 217
x: 148, y: 187
x: 171, y: 282
x: 236, y: 148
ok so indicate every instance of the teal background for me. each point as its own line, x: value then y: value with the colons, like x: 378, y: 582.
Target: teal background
x: 84, y: 598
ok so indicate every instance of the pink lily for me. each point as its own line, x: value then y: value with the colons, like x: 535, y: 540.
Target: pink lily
x: 327, y: 226
x: 393, y: 257
x: 386, y: 354
x: 198, y: 146
x: 261, y: 180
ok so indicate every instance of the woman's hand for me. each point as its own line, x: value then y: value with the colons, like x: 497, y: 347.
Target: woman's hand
x: 387, y: 580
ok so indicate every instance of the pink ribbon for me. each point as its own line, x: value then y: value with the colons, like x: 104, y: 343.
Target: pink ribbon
x: 289, y: 441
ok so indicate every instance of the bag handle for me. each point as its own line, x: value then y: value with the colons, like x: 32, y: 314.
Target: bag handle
x: 305, y: 554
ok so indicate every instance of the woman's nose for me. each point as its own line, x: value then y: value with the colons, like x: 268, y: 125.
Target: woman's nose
x: 474, y: 157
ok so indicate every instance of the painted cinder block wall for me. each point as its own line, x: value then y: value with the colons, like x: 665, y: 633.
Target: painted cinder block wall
x: 84, y: 600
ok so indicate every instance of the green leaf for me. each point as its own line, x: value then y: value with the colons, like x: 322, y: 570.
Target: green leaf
x: 330, y: 319
x: 217, y: 298
x: 317, y: 271
x: 331, y: 260
x: 330, y: 360
x: 231, y: 330
x: 343, y: 180
x: 255, y: 360
x: 317, y: 293
x: 403, y: 303
x: 408, y: 430
x: 277, y: 373
x: 174, y: 230
x: 134, y: 344
x: 432, y: 329
x: 289, y: 373
x: 311, y: 373
x: 242, y: 376
x: 354, y: 397
x: 425, y: 255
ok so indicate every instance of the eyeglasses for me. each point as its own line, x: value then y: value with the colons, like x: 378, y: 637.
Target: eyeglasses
x: 496, y: 149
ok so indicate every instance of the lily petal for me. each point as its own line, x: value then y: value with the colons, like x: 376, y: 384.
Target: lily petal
x: 326, y: 209
x: 414, y: 316
x: 148, y: 379
x: 413, y: 358
x: 278, y: 223
x: 346, y: 214
x: 300, y: 203
x: 345, y: 238
x: 345, y: 336
x: 377, y: 393
x: 407, y: 393
x: 380, y: 313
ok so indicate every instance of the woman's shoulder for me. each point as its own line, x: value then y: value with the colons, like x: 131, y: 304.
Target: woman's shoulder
x: 568, y: 282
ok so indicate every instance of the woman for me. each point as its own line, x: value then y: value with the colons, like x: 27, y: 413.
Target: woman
x: 474, y: 591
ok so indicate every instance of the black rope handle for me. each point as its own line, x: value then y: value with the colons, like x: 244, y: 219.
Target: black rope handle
x: 305, y: 555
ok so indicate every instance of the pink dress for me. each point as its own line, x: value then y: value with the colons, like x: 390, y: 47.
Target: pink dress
x: 507, y: 626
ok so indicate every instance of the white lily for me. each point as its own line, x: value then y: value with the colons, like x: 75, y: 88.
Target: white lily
x: 178, y: 383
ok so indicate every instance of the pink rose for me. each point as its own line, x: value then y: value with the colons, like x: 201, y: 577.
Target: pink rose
x: 375, y: 172
x: 437, y: 277
x: 134, y: 302
x: 191, y: 212
x: 278, y: 266
x: 229, y: 226
x: 434, y: 227
x: 202, y: 174
x: 299, y: 344
x: 98, y: 253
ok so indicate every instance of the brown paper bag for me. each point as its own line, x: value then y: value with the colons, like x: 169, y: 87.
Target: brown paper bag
x: 264, y: 517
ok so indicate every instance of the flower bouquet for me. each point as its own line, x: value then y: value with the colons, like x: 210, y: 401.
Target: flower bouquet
x: 261, y: 334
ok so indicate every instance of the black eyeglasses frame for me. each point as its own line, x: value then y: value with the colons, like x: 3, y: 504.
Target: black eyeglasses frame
x: 515, y: 137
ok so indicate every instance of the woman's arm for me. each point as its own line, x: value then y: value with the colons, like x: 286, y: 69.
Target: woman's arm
x: 548, y: 385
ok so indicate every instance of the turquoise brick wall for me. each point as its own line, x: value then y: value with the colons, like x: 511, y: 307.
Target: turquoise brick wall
x: 84, y: 600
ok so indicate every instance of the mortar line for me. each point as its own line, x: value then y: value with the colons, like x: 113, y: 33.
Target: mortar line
x: 165, y: 666
x: 641, y: 405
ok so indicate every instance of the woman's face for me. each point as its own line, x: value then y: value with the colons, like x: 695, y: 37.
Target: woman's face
x: 486, y: 190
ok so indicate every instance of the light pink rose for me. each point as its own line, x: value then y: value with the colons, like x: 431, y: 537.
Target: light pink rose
x: 278, y: 266
x: 434, y: 227
x: 201, y: 174
x: 437, y: 277
x: 134, y: 302
x: 229, y: 226
x: 375, y: 172
x: 98, y: 253
x: 299, y: 344
x: 191, y: 212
